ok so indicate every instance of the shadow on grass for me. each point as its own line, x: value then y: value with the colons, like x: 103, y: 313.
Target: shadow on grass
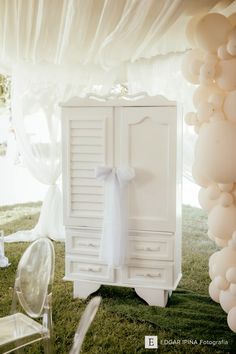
x: 187, y: 316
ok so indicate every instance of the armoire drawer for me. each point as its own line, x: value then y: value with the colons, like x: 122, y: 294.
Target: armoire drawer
x: 160, y: 275
x: 83, y: 242
x: 78, y: 269
x: 151, y: 247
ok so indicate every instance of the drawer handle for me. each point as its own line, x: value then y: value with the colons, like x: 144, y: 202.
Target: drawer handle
x: 90, y: 269
x: 148, y: 275
x: 149, y: 249
x: 92, y: 245
x: 88, y: 245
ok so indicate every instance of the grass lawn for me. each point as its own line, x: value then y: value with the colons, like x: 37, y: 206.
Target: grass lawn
x: 123, y: 319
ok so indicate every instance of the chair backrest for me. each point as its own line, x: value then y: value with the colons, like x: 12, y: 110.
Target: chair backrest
x: 34, y: 274
x: 84, y: 324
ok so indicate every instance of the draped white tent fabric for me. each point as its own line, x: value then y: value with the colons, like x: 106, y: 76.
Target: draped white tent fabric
x: 62, y: 48
x: 103, y: 32
x: 41, y: 153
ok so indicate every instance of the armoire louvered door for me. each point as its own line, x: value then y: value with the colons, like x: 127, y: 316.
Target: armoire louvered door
x: 89, y: 139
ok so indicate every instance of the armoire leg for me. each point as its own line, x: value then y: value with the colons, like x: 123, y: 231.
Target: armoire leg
x: 154, y: 297
x: 82, y: 289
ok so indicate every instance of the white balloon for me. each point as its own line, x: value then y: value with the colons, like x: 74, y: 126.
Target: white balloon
x: 206, y: 203
x: 232, y: 34
x: 232, y: 289
x: 199, y: 177
x: 204, y: 80
x: 230, y: 106
x: 232, y: 19
x: 211, y: 59
x: 213, y: 191
x: 204, y: 111
x: 231, y: 319
x: 212, y: 31
x: 214, y: 292
x: 195, y: 67
x: 217, y: 116
x: 227, y: 300
x: 226, y: 187
x: 190, y: 29
x: 226, y: 199
x: 234, y: 193
x: 221, y: 283
x: 234, y: 236
x: 203, y: 92
x: 207, y: 71
x: 191, y: 60
x: 213, y: 258
x: 215, y: 270
x: 216, y: 99
x: 203, y: 125
x: 190, y: 118
x: 224, y: 260
x: 194, y: 119
x: 215, y: 152
x: 211, y: 274
x: 209, y: 234
x: 232, y: 244
x: 220, y: 242
x: 226, y: 74
x: 222, y: 53
x: 231, y: 274
x: 231, y: 46
x: 222, y: 222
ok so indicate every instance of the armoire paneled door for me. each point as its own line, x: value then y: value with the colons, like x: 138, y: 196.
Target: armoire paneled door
x: 144, y: 136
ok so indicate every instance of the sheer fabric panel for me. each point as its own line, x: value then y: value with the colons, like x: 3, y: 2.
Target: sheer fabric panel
x: 37, y: 125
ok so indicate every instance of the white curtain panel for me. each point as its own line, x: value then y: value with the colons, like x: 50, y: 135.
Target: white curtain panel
x: 37, y: 126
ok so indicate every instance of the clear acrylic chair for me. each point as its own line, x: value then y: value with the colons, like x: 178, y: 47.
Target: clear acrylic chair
x: 31, y: 300
x: 84, y: 324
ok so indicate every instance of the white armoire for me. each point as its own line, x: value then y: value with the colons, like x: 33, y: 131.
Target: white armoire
x: 144, y: 134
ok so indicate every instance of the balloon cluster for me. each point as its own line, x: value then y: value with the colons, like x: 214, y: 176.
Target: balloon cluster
x: 222, y: 271
x: 211, y: 65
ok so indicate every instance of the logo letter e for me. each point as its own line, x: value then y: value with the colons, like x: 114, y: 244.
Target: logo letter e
x: 151, y: 342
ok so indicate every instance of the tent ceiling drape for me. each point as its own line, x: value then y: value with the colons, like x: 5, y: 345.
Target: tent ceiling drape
x: 102, y: 32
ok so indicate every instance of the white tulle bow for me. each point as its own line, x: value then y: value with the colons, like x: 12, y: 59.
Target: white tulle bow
x: 114, y: 240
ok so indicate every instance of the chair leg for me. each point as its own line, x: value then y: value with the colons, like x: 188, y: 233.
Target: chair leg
x: 19, y: 350
x: 48, y: 346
